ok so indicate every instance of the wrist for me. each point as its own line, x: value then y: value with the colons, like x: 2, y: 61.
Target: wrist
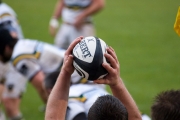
x: 118, y: 85
x: 54, y: 22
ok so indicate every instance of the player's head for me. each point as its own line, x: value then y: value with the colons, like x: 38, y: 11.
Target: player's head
x: 8, y: 39
x: 166, y: 106
x: 50, y: 81
x: 108, y: 107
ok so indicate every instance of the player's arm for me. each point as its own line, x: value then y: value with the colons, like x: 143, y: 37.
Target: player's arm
x: 117, y: 86
x: 32, y: 71
x: 54, y: 23
x: 58, y: 9
x: 58, y: 99
x: 92, y: 9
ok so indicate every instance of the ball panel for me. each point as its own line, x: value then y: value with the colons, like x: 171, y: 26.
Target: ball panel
x: 85, y: 49
x: 80, y: 71
x: 90, y: 70
x: 104, y: 46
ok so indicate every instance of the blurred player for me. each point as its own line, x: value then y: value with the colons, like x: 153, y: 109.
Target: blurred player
x: 58, y: 99
x: 81, y: 96
x: 36, y: 60
x: 10, y: 98
x: 8, y: 16
x: 76, y: 18
x: 166, y: 105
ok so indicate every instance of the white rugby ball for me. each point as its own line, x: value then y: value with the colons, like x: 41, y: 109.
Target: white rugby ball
x: 88, y: 58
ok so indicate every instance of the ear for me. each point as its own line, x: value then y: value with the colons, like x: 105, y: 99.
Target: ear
x: 14, y: 34
x: 8, y: 50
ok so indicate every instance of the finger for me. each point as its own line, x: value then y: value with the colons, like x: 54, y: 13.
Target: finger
x: 70, y: 59
x: 73, y: 44
x: 108, y: 67
x: 112, y: 53
x: 111, y: 60
x: 99, y: 81
x: 111, y: 48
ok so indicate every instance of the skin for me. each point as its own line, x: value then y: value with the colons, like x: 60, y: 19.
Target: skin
x: 12, y: 104
x: 58, y: 98
x: 94, y: 8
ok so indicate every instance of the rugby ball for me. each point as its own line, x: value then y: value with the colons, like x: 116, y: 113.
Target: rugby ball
x: 88, y: 58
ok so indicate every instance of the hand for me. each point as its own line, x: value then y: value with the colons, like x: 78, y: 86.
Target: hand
x: 79, y: 22
x: 53, y: 26
x: 68, y: 58
x: 113, y: 76
x: 52, y: 31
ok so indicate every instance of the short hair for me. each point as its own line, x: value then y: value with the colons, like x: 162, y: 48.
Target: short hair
x: 166, y: 106
x: 107, y: 107
x: 6, y: 38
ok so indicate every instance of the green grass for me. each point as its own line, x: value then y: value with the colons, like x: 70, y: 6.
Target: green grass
x: 141, y: 32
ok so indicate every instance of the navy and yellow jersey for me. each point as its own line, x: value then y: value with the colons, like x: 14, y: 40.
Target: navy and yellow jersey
x: 31, y: 56
x: 73, y: 8
x: 77, y: 3
x: 82, y: 92
x: 9, y: 17
x: 82, y: 97
x: 7, y: 13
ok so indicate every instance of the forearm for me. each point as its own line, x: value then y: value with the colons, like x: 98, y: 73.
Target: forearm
x: 58, y: 99
x: 58, y: 9
x: 95, y: 7
x: 124, y: 96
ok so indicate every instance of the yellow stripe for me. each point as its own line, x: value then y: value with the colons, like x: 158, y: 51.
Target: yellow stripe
x: 83, y: 80
x: 5, y: 14
x: 177, y: 22
x: 81, y: 99
x: 26, y: 56
x: 74, y: 7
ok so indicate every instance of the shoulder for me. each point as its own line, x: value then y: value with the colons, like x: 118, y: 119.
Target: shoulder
x: 4, y: 8
x: 24, y: 47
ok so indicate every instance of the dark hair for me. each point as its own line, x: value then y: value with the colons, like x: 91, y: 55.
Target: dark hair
x: 166, y: 106
x: 6, y: 39
x: 108, y: 107
x: 50, y: 79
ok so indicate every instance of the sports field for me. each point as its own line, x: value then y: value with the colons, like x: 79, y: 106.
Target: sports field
x: 140, y: 31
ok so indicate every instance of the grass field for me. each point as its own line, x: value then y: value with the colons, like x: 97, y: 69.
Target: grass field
x: 141, y: 32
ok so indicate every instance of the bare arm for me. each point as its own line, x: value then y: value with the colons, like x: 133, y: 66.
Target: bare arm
x: 54, y: 23
x: 95, y: 7
x: 117, y: 86
x: 58, y: 99
x: 124, y: 96
x: 58, y: 9
x: 37, y: 82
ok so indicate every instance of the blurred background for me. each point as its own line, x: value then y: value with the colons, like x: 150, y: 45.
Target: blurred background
x: 141, y: 32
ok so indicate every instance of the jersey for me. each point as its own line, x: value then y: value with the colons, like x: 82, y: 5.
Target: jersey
x: 8, y: 73
x: 8, y: 16
x: 6, y: 13
x: 31, y: 56
x: 71, y: 10
x: 82, y: 97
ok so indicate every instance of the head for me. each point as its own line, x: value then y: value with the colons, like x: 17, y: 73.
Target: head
x: 8, y: 39
x: 166, y: 106
x: 50, y: 81
x: 108, y: 107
